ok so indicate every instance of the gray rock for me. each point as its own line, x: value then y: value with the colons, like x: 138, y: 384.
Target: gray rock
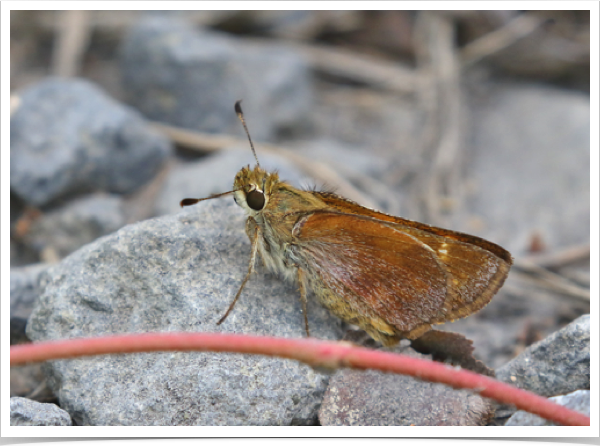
x: 215, y: 175
x: 77, y: 223
x: 520, y: 159
x: 68, y: 137
x: 578, y: 401
x: 177, y: 273
x: 24, y: 412
x: 24, y: 291
x: 191, y: 78
x: 373, y: 398
x: 556, y: 365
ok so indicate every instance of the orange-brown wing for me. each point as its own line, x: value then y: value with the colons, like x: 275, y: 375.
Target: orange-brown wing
x: 394, y: 273
x: 343, y: 205
x: 407, y: 275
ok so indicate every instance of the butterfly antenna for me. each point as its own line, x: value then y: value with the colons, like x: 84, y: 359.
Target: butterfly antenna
x: 191, y: 201
x: 240, y: 115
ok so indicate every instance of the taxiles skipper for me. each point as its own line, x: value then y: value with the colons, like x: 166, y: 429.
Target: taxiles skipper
x: 392, y: 277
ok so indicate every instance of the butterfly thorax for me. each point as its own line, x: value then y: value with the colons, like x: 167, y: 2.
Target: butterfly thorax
x: 274, y: 207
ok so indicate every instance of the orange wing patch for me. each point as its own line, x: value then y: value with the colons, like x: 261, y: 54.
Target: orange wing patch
x: 393, y: 272
x: 409, y: 276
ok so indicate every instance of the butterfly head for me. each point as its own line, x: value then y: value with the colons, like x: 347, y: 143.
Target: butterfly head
x: 253, y: 187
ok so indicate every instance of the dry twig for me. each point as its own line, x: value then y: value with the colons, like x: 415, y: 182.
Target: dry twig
x: 377, y: 73
x: 557, y: 259
x: 73, y: 31
x: 500, y: 38
x: 547, y: 279
x: 536, y: 269
x: 440, y: 102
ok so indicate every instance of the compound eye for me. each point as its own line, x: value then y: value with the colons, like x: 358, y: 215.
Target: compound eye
x: 255, y: 200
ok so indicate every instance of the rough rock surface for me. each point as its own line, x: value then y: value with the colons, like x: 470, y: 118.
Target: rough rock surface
x: 578, y: 400
x: 556, y: 365
x: 178, y: 273
x: 373, y: 398
x: 67, y: 136
x: 25, y: 412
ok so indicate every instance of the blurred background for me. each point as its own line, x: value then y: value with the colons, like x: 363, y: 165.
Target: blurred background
x: 476, y: 121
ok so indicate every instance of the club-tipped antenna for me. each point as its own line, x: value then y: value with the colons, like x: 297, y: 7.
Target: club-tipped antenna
x: 191, y: 201
x: 240, y: 115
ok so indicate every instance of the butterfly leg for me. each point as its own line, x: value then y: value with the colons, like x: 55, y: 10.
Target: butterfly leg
x: 303, y: 299
x: 250, y: 270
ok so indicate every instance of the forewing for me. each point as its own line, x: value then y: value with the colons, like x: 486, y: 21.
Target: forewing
x: 476, y: 268
x: 358, y: 257
x: 343, y: 205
